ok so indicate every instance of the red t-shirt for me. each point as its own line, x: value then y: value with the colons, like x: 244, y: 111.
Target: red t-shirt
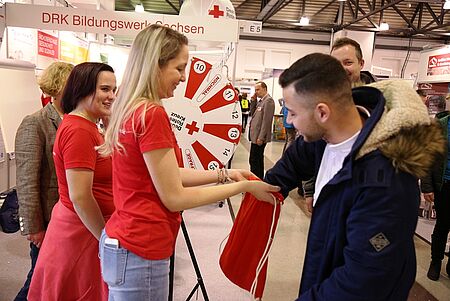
x: 74, y: 147
x: 141, y: 222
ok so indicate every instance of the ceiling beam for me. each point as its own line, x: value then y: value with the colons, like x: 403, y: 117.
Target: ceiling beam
x: 267, y: 8
x: 441, y: 19
x: 263, y: 4
x: 415, y: 13
x: 285, y: 4
x: 173, y: 6
x: 404, y: 17
x: 380, y: 20
x: 276, y: 8
x: 350, y: 8
x: 430, y: 10
x: 242, y: 4
x: 364, y: 13
x: 419, y: 21
x: 323, y: 8
x: 372, y: 12
x: 428, y: 30
x: 443, y: 11
x: 340, y: 14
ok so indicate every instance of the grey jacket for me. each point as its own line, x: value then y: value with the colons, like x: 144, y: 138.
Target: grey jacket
x: 37, y: 186
x: 262, y: 119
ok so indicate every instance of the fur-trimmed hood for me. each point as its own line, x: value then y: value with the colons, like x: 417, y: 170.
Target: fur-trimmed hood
x: 405, y: 133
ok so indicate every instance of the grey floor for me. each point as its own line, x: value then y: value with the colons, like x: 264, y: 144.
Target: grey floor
x: 208, y: 226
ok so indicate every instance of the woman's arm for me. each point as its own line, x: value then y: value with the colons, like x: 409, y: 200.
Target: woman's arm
x: 194, y: 177
x: 167, y: 178
x: 79, y: 181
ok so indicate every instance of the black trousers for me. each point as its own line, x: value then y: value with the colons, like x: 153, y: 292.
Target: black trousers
x: 244, y: 122
x: 442, y: 227
x: 256, y: 159
x: 22, y: 295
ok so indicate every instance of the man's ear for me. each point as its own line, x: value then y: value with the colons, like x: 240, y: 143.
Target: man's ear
x: 322, y: 112
x: 361, y: 63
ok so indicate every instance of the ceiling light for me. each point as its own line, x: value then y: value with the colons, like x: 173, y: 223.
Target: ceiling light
x: 447, y: 4
x: 341, y: 0
x: 384, y: 26
x: 139, y: 8
x: 304, y: 21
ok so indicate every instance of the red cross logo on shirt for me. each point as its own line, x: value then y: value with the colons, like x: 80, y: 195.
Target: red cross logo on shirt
x: 216, y: 12
x: 192, y: 127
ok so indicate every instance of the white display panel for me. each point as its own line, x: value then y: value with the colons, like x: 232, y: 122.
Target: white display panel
x: 115, y: 56
x: 19, y: 96
x: 22, y: 44
x: 206, y: 116
x: 434, y: 66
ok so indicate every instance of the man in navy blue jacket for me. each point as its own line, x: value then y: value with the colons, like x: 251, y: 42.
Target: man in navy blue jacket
x: 366, y: 148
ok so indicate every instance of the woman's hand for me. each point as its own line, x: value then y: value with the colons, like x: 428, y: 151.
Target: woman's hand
x: 429, y: 197
x: 36, y: 238
x: 262, y: 191
x: 238, y: 175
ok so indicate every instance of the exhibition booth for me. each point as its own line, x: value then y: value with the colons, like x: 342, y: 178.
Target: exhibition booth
x: 434, y: 79
x: 204, y: 112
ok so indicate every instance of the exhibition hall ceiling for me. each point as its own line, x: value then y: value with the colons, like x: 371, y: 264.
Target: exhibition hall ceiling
x: 406, y: 18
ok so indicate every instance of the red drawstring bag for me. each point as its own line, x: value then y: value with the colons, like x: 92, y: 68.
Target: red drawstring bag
x: 244, y: 258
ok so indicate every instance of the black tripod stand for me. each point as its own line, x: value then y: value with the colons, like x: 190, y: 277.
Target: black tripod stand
x: 200, y: 282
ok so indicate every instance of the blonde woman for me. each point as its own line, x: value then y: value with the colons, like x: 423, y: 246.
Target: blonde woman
x: 149, y: 187
x: 37, y: 187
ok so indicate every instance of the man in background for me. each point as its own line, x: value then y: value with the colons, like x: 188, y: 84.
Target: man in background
x: 260, y: 128
x: 245, y: 108
x: 348, y: 53
x: 436, y: 189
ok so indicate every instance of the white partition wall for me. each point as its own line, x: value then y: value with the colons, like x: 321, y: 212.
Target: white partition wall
x: 19, y: 96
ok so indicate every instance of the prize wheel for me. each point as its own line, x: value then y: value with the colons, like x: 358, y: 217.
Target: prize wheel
x: 205, y: 115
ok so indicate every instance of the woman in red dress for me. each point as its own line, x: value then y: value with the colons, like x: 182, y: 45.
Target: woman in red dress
x: 68, y: 267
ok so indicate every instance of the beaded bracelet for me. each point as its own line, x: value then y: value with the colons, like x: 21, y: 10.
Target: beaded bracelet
x: 222, y: 176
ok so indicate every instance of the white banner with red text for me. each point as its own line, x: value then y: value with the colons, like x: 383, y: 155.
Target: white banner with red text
x: 199, y: 28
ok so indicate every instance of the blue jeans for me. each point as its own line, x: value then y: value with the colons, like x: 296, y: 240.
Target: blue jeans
x: 22, y: 295
x: 131, y: 277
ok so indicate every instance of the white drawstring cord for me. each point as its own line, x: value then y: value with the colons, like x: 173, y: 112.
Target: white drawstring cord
x: 266, y: 252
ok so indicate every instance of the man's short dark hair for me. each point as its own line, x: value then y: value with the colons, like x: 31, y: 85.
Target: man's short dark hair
x: 341, y: 42
x: 318, y: 74
x: 263, y: 84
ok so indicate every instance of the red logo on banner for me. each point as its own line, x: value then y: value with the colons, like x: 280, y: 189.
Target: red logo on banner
x: 198, y: 71
x: 441, y: 60
x: 47, y: 45
x: 216, y: 12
